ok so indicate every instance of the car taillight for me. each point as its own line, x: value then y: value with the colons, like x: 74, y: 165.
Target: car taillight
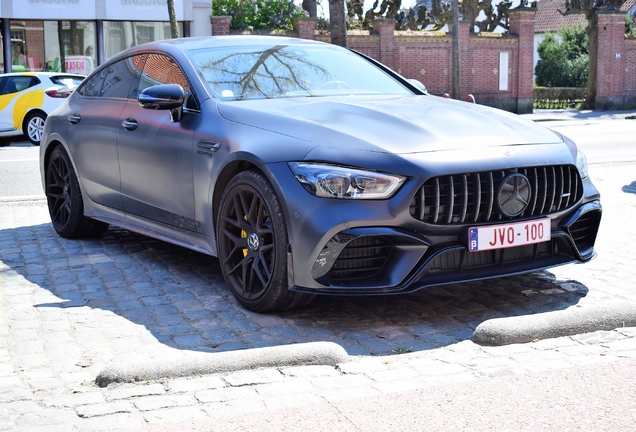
x: 60, y: 94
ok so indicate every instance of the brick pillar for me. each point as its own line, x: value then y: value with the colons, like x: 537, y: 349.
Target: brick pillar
x: 522, y: 25
x: 465, y: 60
x: 385, y: 29
x: 610, y: 67
x: 305, y: 27
x: 220, y: 25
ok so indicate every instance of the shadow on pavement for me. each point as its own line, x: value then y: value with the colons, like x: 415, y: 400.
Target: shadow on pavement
x: 180, y: 297
x: 630, y: 188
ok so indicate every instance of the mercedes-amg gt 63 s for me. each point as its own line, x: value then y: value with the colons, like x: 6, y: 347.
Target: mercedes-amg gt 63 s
x: 309, y: 169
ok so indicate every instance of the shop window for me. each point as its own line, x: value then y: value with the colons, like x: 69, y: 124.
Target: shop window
x: 119, y: 35
x: 69, y: 46
x: 145, y: 33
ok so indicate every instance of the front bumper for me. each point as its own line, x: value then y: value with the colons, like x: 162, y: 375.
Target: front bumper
x: 357, y: 247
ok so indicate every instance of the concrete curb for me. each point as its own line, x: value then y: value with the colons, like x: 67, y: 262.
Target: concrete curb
x: 173, y: 363
x: 574, y: 320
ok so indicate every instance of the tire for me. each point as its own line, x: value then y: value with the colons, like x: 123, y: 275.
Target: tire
x: 252, y: 244
x: 34, y: 126
x: 64, y: 199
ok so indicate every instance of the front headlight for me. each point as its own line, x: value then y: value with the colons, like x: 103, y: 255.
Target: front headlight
x: 331, y: 181
x: 581, y: 163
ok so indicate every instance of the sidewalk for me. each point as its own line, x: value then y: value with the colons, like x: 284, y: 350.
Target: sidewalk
x: 573, y: 114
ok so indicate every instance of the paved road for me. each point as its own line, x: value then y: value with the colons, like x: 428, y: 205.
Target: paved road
x: 19, y: 171
x: 70, y: 308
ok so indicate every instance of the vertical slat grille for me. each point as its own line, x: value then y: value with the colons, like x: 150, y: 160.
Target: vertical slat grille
x: 471, y: 197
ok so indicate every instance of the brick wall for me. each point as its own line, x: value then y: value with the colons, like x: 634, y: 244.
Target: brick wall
x: 629, y: 82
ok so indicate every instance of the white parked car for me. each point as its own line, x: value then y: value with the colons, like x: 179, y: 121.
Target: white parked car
x: 27, y: 98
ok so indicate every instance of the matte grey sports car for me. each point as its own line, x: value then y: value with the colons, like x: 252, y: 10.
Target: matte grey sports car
x: 310, y: 169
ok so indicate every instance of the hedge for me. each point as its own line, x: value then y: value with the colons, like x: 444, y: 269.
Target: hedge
x: 558, y: 97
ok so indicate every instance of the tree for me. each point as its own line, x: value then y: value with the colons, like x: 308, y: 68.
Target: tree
x: 565, y: 63
x: 174, y: 28
x: 337, y: 23
x: 590, y: 8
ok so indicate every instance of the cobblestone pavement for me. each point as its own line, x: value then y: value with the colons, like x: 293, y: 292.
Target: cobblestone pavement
x: 68, y: 308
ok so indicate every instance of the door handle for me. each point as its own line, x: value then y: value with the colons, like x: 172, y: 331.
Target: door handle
x: 210, y: 146
x: 74, y: 118
x: 130, y: 124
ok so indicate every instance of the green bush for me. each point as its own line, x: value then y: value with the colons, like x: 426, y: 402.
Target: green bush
x: 558, y: 97
x: 564, y: 63
x: 258, y: 14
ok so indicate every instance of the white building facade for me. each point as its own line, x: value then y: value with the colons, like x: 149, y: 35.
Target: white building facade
x: 77, y: 35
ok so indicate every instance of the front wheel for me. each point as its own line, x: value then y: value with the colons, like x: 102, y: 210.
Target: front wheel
x: 252, y: 245
x: 64, y: 199
x: 34, y: 126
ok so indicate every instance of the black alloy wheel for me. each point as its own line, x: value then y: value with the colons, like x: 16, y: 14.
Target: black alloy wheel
x: 64, y: 199
x: 252, y: 243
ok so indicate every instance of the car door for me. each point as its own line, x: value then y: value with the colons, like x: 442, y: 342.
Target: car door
x: 14, y: 100
x: 155, y: 154
x: 94, y: 124
x: 6, y: 121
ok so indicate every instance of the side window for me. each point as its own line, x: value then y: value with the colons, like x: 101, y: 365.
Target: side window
x: 15, y: 84
x: 123, y: 77
x: 161, y: 69
x: 94, y: 84
x: 119, y: 80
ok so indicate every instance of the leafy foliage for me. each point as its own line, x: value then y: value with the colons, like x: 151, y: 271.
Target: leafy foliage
x: 630, y: 26
x: 258, y: 14
x: 565, y: 63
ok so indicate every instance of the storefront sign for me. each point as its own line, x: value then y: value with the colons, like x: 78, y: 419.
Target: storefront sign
x: 54, y: 9
x: 142, y: 10
x: 145, y: 2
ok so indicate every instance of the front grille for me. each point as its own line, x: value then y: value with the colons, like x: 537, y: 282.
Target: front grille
x: 362, y: 258
x: 472, y: 197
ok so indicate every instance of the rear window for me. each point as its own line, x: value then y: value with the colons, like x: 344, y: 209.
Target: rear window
x: 67, y: 80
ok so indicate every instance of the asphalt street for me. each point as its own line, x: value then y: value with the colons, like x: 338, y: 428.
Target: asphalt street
x: 70, y: 310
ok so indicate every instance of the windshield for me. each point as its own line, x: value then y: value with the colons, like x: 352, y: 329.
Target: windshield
x: 266, y: 72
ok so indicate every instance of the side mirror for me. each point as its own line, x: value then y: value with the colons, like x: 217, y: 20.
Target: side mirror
x: 418, y: 85
x: 164, y: 97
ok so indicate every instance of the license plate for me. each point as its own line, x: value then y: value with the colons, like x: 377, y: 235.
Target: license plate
x: 508, y: 235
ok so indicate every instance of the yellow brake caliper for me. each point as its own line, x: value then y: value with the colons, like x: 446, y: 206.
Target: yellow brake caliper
x: 244, y: 235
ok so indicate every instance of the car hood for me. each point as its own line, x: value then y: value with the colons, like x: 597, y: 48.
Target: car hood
x: 389, y: 124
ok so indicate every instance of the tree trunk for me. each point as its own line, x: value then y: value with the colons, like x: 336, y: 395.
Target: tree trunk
x: 174, y: 28
x: 592, y: 50
x: 337, y: 23
x: 311, y: 7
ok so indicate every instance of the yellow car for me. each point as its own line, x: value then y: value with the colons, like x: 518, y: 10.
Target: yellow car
x: 27, y: 98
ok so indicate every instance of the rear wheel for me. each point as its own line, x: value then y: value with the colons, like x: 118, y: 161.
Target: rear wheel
x: 252, y: 245
x: 34, y: 126
x: 64, y: 199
